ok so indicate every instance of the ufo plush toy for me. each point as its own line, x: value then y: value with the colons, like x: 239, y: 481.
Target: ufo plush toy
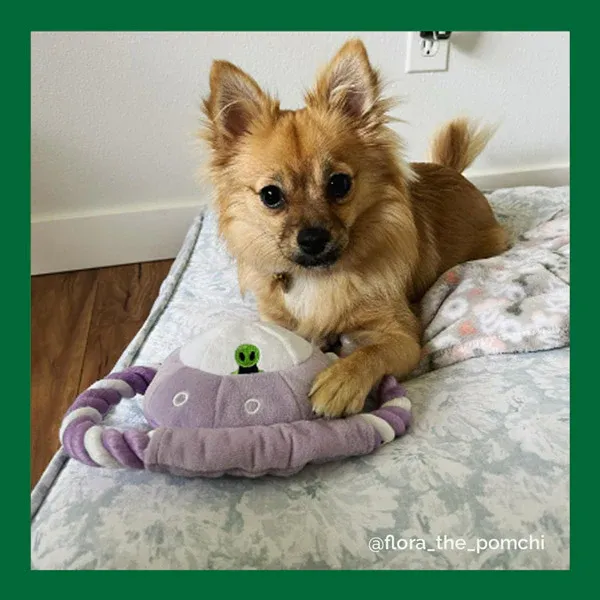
x: 233, y: 400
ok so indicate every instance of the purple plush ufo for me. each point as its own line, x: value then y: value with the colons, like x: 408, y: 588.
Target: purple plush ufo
x: 233, y: 400
x: 206, y: 389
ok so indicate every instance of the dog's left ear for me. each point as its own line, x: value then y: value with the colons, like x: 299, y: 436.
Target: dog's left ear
x: 348, y: 83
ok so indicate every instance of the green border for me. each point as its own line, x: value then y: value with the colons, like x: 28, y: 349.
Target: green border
x: 307, y: 16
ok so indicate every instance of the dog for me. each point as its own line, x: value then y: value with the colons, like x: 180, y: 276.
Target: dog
x: 333, y: 231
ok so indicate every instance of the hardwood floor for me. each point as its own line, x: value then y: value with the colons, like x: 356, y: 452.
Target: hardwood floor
x: 80, y: 324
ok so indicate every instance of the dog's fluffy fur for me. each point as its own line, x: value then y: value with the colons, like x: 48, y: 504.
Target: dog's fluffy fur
x: 399, y: 228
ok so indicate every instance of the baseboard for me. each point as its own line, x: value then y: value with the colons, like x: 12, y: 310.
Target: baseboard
x: 84, y: 241
x: 553, y: 176
x: 143, y: 233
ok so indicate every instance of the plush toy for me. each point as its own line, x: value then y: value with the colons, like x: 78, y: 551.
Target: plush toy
x: 233, y: 400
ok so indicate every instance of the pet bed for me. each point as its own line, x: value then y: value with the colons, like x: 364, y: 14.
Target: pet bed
x: 481, y: 481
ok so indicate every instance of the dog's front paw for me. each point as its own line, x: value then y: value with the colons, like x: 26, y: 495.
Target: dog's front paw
x: 340, y: 390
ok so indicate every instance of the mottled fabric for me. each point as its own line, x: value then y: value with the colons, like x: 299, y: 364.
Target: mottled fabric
x: 481, y: 480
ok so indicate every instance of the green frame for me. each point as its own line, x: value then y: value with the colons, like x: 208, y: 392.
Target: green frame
x: 274, y: 16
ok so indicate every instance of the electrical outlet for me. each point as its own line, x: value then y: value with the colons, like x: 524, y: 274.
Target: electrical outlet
x: 423, y: 55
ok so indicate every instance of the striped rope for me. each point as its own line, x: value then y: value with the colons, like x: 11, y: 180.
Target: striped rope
x: 82, y: 434
x: 393, y: 417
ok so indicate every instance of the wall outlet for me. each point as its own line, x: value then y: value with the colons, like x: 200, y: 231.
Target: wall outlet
x: 432, y: 57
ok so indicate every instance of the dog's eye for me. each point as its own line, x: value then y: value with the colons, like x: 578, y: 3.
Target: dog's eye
x: 271, y: 196
x: 338, y: 186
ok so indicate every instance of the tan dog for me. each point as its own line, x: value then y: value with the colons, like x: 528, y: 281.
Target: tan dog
x: 332, y: 230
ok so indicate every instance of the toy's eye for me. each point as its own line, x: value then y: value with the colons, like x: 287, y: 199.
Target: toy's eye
x: 252, y: 406
x: 180, y: 398
x: 242, y: 356
x: 338, y: 186
x: 252, y: 356
x: 272, y: 197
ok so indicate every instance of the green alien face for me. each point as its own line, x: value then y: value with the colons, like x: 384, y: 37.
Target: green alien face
x: 247, y: 355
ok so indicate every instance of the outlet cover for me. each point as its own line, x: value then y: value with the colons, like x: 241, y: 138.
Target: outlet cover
x: 417, y: 61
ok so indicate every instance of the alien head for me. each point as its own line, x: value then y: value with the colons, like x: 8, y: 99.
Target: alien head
x: 247, y: 357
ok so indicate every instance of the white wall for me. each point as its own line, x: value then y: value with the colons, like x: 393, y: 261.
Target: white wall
x: 114, y: 116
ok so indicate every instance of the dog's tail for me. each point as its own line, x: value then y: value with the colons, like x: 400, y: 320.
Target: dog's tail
x: 458, y: 143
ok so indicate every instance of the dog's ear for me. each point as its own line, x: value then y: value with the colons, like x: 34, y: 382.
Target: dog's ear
x: 235, y: 100
x: 348, y: 83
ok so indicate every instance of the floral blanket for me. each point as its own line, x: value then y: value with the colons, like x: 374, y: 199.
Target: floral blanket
x: 516, y: 302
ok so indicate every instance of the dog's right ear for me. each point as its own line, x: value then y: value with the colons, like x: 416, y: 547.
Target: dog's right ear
x: 235, y: 100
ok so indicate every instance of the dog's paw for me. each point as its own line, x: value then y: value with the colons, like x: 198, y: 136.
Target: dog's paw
x: 340, y: 390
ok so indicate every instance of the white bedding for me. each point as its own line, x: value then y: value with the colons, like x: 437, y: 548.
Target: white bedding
x: 487, y: 462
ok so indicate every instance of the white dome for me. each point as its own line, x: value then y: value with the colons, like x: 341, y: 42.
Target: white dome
x: 213, y: 351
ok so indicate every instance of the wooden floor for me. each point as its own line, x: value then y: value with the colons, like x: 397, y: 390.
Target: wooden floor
x: 80, y: 324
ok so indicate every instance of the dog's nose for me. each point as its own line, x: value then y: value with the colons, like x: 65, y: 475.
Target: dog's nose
x: 312, y: 240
